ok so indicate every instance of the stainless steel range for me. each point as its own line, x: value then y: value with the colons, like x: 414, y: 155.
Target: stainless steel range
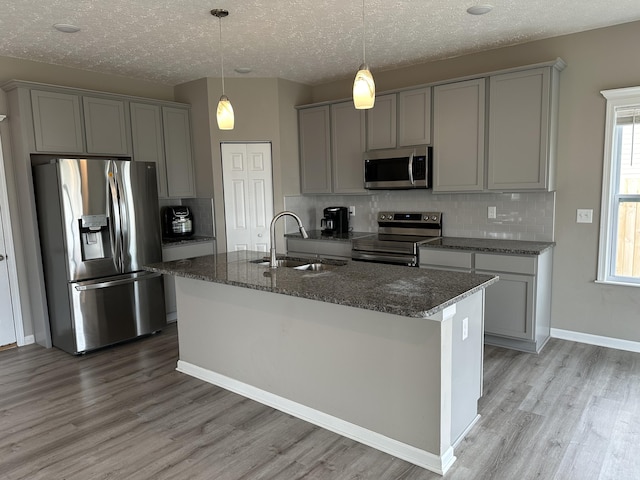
x: 399, y: 237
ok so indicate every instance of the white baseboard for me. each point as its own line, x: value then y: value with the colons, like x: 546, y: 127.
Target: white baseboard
x: 422, y: 458
x: 27, y: 340
x: 598, y: 340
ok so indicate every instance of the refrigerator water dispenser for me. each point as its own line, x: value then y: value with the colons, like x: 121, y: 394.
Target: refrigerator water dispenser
x: 94, y: 233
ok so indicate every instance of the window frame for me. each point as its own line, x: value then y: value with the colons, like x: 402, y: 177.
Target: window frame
x: 616, y: 98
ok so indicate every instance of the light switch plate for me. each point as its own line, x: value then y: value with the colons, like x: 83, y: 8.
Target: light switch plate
x: 584, y: 215
x: 491, y: 212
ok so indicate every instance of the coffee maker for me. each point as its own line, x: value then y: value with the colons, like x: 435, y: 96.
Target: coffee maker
x: 335, y: 221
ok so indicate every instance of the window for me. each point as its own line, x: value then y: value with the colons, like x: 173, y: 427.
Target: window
x: 619, y: 254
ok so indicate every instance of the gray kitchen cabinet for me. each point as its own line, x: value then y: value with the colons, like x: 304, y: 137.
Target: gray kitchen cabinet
x: 400, y: 119
x: 147, y: 140
x: 461, y: 261
x: 332, y: 139
x: 459, y: 136
x: 414, y: 117
x: 180, y: 252
x: 314, y: 133
x: 178, y: 152
x: 57, y: 122
x: 518, y: 306
x: 347, y: 147
x: 106, y: 127
x: 522, y: 124
x: 382, y: 123
x: 340, y: 250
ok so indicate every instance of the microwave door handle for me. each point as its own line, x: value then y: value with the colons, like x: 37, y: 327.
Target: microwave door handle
x: 411, y: 169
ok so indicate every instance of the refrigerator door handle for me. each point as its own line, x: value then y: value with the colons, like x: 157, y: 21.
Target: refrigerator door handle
x: 113, y: 283
x: 115, y: 205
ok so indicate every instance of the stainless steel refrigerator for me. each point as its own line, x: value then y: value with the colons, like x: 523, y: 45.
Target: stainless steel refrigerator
x: 99, y: 223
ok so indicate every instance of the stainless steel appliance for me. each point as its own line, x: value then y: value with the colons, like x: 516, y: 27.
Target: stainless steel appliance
x: 399, y: 237
x: 177, y: 221
x: 335, y: 221
x: 402, y: 168
x: 99, y: 224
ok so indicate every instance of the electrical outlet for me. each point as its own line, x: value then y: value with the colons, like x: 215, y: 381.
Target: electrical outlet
x: 491, y: 212
x: 465, y: 328
x: 352, y: 211
x: 584, y: 215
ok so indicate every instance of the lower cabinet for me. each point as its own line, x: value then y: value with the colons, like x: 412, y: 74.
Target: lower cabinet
x: 340, y: 250
x: 518, y: 306
x: 179, y: 252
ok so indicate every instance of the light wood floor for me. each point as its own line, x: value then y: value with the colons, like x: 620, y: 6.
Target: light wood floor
x: 572, y: 412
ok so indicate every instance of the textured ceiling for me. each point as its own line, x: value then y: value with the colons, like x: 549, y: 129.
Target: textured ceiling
x: 307, y: 41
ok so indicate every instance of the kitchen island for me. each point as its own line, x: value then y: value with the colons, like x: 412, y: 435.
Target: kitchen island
x: 387, y: 355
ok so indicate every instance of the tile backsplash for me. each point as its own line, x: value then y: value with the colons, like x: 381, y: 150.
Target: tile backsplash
x: 519, y: 216
x: 202, y: 209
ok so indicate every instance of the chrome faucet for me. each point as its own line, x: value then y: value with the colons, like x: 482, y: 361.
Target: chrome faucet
x: 272, y: 231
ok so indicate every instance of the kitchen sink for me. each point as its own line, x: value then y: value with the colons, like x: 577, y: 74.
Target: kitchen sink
x: 305, y: 265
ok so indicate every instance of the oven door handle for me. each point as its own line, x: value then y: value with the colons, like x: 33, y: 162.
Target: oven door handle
x: 409, y: 260
x: 411, y: 169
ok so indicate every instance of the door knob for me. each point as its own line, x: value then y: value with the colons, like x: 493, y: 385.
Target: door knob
x: 260, y: 235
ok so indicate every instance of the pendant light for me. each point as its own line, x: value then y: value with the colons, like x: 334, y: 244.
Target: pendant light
x: 224, y: 114
x: 364, y: 88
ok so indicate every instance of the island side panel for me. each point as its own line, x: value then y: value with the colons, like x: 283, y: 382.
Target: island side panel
x: 378, y: 371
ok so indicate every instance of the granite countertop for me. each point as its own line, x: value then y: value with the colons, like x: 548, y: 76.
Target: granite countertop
x: 342, y: 237
x: 173, y: 242
x: 398, y: 290
x: 490, y: 245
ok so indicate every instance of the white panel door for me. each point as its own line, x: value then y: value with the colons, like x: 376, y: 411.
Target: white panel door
x: 248, y: 195
x: 7, y: 329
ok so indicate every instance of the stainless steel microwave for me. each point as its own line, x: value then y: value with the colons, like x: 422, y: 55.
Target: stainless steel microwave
x: 401, y: 168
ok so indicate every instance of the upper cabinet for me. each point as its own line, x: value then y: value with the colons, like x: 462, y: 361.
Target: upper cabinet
x: 522, y: 125
x: 148, y: 141
x: 74, y: 121
x: 332, y: 140
x: 381, y: 123
x: 178, y: 155
x: 162, y: 135
x: 105, y: 123
x: 414, y: 117
x: 458, y: 136
x: 347, y: 146
x: 494, y: 132
x: 57, y: 122
x: 315, y: 149
x: 400, y: 119
x: 520, y: 134
x: 58, y: 125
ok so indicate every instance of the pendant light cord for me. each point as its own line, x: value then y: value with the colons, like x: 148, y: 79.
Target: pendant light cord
x: 222, y: 53
x: 364, y: 59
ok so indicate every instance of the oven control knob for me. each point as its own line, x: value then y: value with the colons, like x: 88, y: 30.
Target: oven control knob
x: 434, y: 218
x: 426, y: 218
x: 382, y: 217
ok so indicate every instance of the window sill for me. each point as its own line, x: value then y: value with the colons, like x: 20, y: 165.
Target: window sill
x: 618, y: 283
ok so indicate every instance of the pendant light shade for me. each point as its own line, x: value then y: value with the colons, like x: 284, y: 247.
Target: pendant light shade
x: 224, y: 114
x: 364, y: 88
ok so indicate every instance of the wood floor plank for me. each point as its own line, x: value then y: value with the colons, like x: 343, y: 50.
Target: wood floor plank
x: 571, y: 412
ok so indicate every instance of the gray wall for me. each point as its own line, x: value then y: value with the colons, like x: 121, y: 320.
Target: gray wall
x: 597, y: 60
x: 264, y: 112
